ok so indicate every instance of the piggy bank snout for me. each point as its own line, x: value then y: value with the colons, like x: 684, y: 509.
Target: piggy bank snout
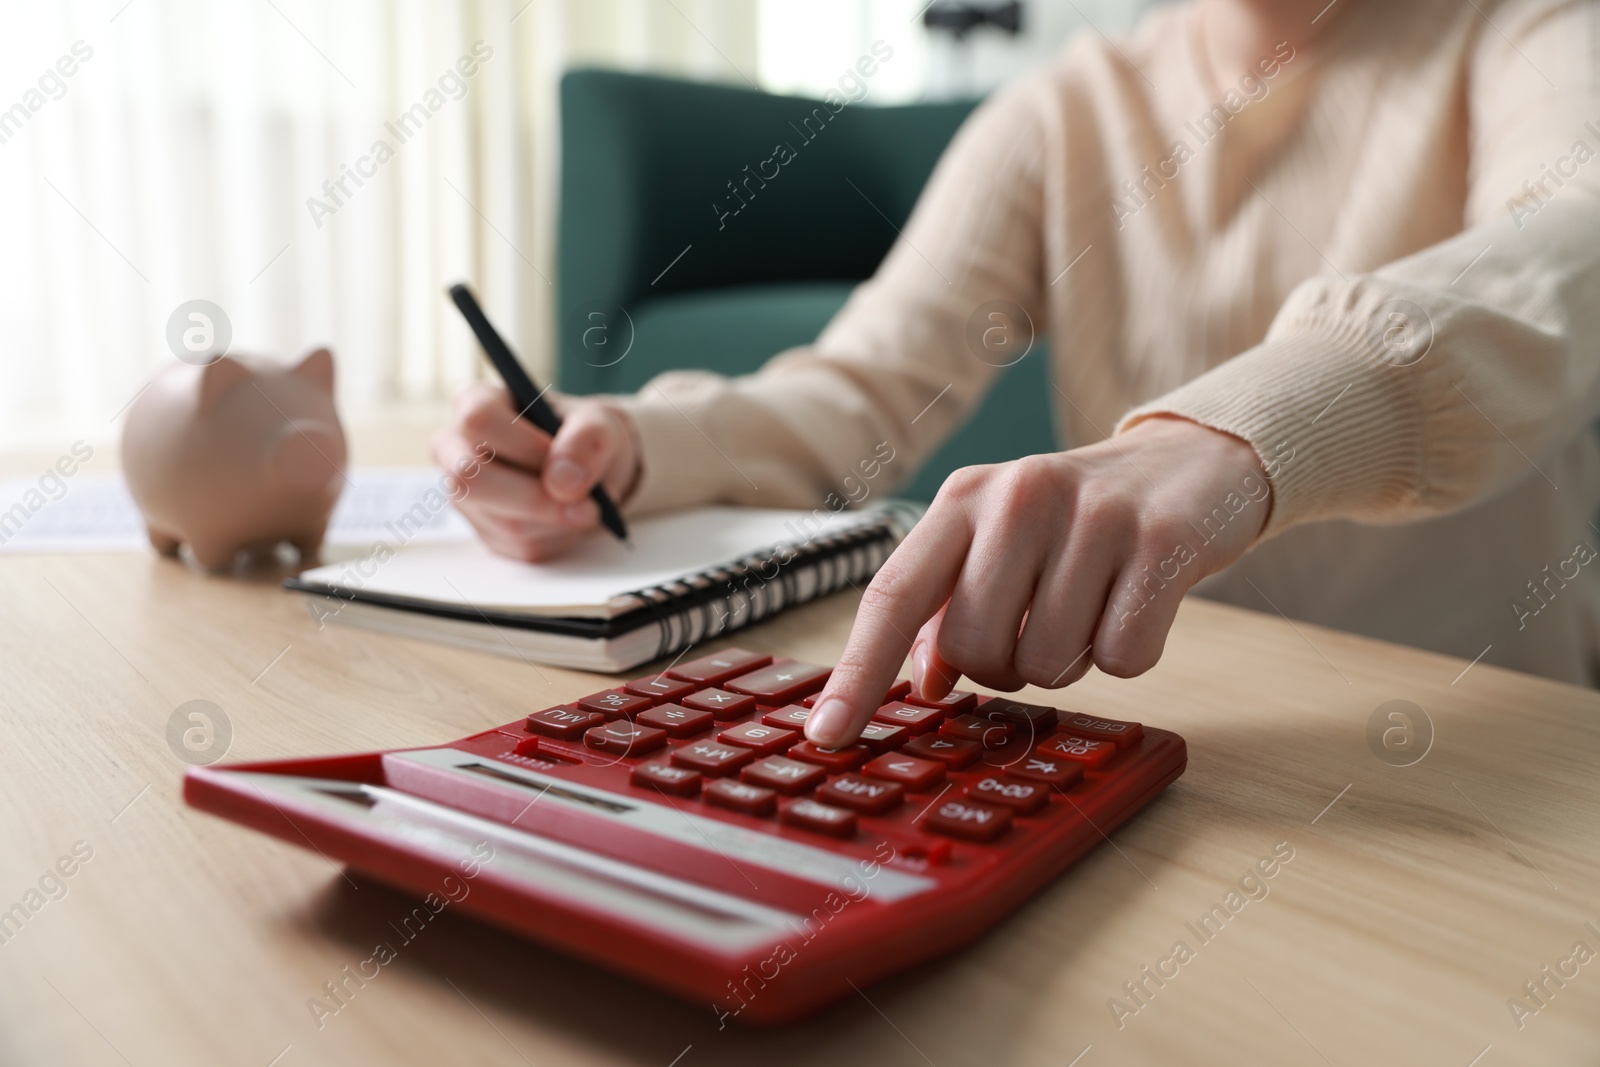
x: 308, y: 456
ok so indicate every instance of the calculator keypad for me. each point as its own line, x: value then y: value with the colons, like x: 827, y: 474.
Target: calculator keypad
x: 727, y: 731
x: 679, y: 827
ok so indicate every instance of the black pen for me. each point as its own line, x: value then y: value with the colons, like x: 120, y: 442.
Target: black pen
x: 527, y: 396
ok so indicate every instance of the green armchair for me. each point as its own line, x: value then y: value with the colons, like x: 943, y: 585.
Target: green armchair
x: 657, y: 272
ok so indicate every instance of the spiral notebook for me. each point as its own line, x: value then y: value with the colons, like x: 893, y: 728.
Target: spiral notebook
x: 689, y: 576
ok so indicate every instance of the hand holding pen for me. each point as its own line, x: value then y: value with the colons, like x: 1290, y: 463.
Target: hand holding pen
x: 535, y: 478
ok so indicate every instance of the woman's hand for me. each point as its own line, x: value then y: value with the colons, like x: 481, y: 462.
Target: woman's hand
x: 531, y: 500
x: 1026, y: 573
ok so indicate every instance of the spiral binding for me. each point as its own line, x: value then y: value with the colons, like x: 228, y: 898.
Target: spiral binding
x: 724, y: 599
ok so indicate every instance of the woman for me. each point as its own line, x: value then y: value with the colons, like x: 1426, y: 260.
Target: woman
x: 1327, y: 274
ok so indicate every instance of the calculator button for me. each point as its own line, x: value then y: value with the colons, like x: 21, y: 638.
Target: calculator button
x: 721, y: 703
x: 792, y: 717
x: 615, y: 703
x: 881, y: 737
x: 966, y: 819
x: 916, y: 720
x: 658, y: 687
x: 764, y: 739
x: 834, y: 759
x: 709, y: 757
x: 1040, y: 718
x: 947, y: 750
x: 865, y: 795
x: 787, y: 776
x: 676, y: 720
x: 897, y: 691
x: 823, y: 818
x: 564, y: 723
x: 990, y: 733
x: 782, y: 683
x: 1052, y: 770
x: 932, y: 851
x: 1024, y: 798
x: 1121, y: 734
x: 917, y: 775
x: 719, y: 666
x: 625, y: 738
x: 749, y: 799
x: 679, y: 781
x: 956, y: 702
x: 1089, y: 753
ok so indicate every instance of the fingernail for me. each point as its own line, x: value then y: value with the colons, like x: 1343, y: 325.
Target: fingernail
x: 828, y: 722
x: 919, y: 665
x: 575, y: 514
x: 565, y: 476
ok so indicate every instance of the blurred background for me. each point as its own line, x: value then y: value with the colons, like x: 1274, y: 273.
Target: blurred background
x: 155, y: 152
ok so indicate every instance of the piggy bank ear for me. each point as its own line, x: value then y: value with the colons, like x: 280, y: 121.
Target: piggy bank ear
x: 218, y: 376
x: 316, y: 367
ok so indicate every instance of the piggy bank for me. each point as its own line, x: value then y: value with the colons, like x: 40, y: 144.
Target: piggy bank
x: 239, y: 454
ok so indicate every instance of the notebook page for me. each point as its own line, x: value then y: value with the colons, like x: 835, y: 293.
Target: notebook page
x: 589, y: 581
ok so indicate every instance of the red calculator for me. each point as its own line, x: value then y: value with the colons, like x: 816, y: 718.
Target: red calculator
x: 680, y: 828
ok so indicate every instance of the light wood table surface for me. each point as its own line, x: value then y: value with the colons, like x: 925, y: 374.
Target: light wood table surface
x: 1418, y: 900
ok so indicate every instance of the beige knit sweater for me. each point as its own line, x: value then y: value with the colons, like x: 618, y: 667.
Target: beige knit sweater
x: 1377, y: 260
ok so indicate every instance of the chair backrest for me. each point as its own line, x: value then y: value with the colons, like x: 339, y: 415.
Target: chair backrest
x: 652, y: 166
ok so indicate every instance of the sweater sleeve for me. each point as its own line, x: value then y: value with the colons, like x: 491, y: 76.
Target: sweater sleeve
x: 1440, y: 379
x: 894, y: 366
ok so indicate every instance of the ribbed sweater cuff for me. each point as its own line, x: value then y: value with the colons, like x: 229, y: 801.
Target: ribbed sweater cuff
x: 678, y: 464
x: 1331, y: 410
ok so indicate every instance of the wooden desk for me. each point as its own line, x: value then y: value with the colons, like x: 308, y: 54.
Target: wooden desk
x: 1418, y: 899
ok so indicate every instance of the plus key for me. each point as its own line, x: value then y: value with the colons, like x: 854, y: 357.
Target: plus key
x: 785, y: 682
